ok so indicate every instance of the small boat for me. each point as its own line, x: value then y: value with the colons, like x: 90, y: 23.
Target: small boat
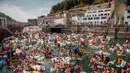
x: 52, y: 69
x: 80, y: 58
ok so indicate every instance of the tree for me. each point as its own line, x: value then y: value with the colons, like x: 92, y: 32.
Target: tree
x: 54, y: 9
x: 68, y: 4
x: 128, y: 2
x: 98, y: 1
x: 75, y: 2
x: 88, y: 1
x: 60, y: 6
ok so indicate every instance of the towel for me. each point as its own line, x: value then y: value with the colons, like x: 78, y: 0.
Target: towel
x: 123, y: 63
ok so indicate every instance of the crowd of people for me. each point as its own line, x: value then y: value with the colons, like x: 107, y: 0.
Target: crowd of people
x: 30, y: 52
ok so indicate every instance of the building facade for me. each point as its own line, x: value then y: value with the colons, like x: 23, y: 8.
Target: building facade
x: 63, y: 19
x: 60, y: 20
x: 3, y: 22
x: 100, y: 16
x: 32, y: 22
x: 43, y: 20
x: 76, y: 19
x: 127, y: 16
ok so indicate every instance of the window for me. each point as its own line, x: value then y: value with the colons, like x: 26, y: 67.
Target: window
x: 43, y: 21
x: 101, y: 22
x: 107, y: 10
x: 128, y: 16
x: 94, y: 12
x: 108, y: 14
x: 88, y: 15
x: 105, y: 14
x: 90, y: 18
x: 101, y: 14
x: 89, y: 12
x: 96, y: 18
x: 100, y: 11
x: 128, y: 11
x: 84, y: 18
x: 126, y: 23
x: 103, y: 17
x: 47, y: 22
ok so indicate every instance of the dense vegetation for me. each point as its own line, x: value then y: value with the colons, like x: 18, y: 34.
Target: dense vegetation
x: 128, y: 2
x: 123, y: 1
x: 6, y: 16
x: 69, y: 4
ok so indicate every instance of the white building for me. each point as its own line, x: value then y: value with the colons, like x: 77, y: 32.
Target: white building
x: 100, y: 16
x: 63, y: 19
x: 60, y: 20
x: 127, y: 16
x: 43, y: 20
x: 76, y: 18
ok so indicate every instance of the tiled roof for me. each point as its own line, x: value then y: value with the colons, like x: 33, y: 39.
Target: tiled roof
x: 78, y: 14
x: 59, y: 17
x: 127, y: 8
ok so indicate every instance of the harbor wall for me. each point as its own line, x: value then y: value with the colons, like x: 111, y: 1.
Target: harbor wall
x: 118, y: 31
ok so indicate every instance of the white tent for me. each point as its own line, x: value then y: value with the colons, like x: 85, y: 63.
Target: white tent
x: 32, y: 29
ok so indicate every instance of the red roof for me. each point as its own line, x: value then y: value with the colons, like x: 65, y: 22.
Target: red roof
x: 59, y: 17
x: 127, y: 8
x: 79, y: 14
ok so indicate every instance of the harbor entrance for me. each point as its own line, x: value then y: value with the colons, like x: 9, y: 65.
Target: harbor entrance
x: 56, y: 30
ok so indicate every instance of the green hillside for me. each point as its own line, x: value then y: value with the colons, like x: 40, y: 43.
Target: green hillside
x: 6, y: 16
x: 69, y: 4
